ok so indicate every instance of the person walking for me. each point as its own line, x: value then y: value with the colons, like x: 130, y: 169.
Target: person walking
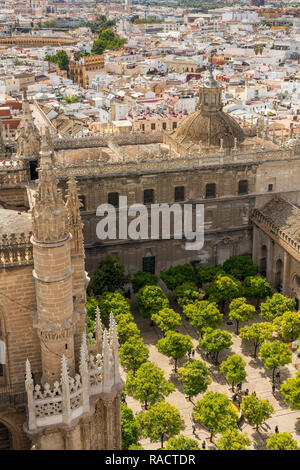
x: 194, y: 428
x: 193, y: 352
x: 276, y: 430
x: 203, y: 445
x: 273, y: 388
x: 247, y: 391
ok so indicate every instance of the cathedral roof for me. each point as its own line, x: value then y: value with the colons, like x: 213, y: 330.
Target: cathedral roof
x: 14, y: 222
x: 210, y: 128
x: 284, y: 214
x: 209, y: 124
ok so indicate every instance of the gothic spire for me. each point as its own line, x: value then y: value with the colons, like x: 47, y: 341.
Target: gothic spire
x: 73, y: 205
x: 49, y: 214
x: 28, y: 137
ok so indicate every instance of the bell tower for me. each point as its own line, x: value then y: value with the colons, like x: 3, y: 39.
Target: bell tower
x: 210, y: 93
x: 53, y: 271
x: 77, y: 404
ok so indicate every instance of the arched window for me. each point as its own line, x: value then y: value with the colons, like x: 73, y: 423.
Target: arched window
x: 210, y: 190
x: 243, y: 187
x: 213, y: 99
x: 206, y: 99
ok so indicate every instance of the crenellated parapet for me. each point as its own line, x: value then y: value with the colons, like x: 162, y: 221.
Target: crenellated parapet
x: 15, y: 250
x: 69, y: 397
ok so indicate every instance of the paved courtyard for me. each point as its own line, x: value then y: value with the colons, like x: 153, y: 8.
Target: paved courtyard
x: 258, y: 380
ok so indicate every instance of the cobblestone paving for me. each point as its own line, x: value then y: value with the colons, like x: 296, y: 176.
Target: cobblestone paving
x: 258, y: 380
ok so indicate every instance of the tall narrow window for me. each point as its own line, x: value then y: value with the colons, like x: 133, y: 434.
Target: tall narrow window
x: 179, y: 193
x: 149, y: 264
x: 243, y: 187
x: 148, y: 196
x: 210, y: 190
x: 113, y: 199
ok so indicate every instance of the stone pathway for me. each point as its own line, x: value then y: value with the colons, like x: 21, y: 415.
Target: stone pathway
x: 258, y: 380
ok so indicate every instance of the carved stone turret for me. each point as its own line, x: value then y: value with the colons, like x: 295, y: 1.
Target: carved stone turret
x: 50, y: 216
x: 28, y: 137
x: 79, y: 276
x: 53, y: 272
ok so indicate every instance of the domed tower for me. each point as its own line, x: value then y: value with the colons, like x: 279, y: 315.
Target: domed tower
x: 209, y: 126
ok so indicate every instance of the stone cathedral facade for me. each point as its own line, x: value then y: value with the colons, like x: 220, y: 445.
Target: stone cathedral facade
x: 247, y: 178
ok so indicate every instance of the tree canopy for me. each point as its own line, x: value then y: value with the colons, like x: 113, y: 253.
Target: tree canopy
x: 182, y: 442
x: 257, y: 333
x: 61, y: 58
x: 130, y: 427
x: 224, y: 288
x: 256, y: 410
x: 257, y: 287
x: 187, y: 293
x: 240, y: 267
x: 107, y: 40
x: 177, y: 275
x: 195, y: 377
x: 116, y: 303
x: 206, y: 273
x: 274, y: 355
x: 148, y: 385
x: 276, y: 306
x: 234, y: 368
x: 214, y: 341
x: 282, y: 441
x: 151, y: 300
x: 290, y: 390
x: 175, y: 345
x: 288, y: 325
x: 109, y: 276
x: 203, y: 314
x: 160, y: 420
x: 215, y: 411
x: 167, y: 319
x: 127, y: 329
x: 133, y: 353
x: 142, y: 279
x: 240, y: 311
x: 232, y: 439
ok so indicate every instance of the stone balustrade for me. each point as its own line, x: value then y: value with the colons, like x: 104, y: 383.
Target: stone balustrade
x: 69, y: 397
x: 15, y: 250
x: 12, y: 172
x: 162, y: 162
x: 260, y: 217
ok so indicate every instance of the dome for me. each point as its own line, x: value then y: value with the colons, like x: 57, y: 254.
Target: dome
x: 210, y: 128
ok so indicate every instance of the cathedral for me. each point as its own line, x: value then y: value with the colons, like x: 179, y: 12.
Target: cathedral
x: 59, y: 388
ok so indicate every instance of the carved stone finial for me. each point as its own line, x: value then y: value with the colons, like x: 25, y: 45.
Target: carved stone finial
x: 28, y: 137
x: 49, y: 214
x: 64, y: 370
x: 73, y: 205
